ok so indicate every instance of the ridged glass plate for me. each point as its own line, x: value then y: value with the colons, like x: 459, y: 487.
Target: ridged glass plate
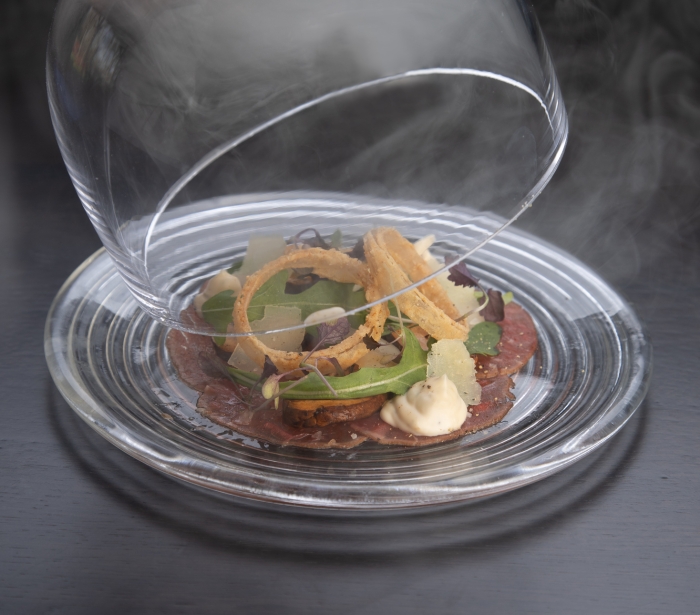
x: 588, y: 376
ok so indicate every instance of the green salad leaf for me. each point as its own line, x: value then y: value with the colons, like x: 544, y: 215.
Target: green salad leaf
x: 324, y: 294
x: 483, y: 338
x: 365, y: 382
x: 235, y: 267
x: 337, y: 239
x: 217, y: 311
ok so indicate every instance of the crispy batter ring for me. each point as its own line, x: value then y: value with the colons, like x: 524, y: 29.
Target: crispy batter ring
x: 329, y: 264
x: 381, y: 252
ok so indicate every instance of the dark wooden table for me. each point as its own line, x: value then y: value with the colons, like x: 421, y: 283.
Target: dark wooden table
x: 86, y: 529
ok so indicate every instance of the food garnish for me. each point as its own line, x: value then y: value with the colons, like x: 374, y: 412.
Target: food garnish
x: 461, y: 276
x: 364, y: 382
x: 331, y: 264
x: 484, y: 338
x: 494, y: 305
x: 389, y: 256
x: 432, y: 407
x: 298, y: 363
x: 450, y: 358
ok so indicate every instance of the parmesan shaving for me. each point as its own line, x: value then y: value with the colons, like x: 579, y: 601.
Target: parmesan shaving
x: 262, y: 249
x: 451, y: 358
x: 326, y: 315
x: 280, y: 317
x: 463, y: 298
x: 240, y: 360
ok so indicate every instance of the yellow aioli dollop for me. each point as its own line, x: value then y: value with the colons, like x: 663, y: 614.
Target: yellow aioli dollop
x: 431, y: 407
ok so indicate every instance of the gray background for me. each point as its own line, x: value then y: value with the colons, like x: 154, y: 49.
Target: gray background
x: 85, y: 529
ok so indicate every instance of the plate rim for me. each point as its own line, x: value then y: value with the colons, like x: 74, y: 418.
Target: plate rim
x: 95, y: 416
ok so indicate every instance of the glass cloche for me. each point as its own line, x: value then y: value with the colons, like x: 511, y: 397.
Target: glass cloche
x: 198, y: 132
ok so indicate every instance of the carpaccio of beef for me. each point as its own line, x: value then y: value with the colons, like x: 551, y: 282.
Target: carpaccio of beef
x: 193, y: 357
x: 221, y: 405
x: 518, y: 344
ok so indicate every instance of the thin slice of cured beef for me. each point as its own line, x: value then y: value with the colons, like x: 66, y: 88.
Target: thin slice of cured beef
x: 496, y: 401
x: 221, y: 403
x: 518, y: 344
x: 194, y: 356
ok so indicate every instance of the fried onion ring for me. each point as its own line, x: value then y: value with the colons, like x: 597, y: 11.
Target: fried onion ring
x: 330, y: 264
x: 427, y: 305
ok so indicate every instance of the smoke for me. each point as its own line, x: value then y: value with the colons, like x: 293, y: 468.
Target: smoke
x: 625, y: 198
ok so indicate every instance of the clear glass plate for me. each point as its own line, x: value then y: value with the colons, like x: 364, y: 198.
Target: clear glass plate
x: 589, y: 375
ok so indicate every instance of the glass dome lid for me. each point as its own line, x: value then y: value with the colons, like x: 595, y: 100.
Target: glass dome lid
x: 237, y: 157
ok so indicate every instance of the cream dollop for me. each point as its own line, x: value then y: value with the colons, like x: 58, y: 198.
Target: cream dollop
x: 431, y: 407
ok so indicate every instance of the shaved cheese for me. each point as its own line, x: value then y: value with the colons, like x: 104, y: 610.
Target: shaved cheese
x: 423, y: 244
x: 223, y: 281
x: 262, y: 249
x: 380, y: 357
x: 451, y: 358
x: 280, y: 317
x: 240, y: 360
x: 463, y: 298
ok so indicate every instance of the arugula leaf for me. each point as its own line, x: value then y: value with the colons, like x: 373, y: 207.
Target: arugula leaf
x: 356, y: 320
x: 337, y: 239
x: 218, y: 311
x: 483, y: 338
x: 235, y: 267
x: 365, y: 382
x: 323, y: 294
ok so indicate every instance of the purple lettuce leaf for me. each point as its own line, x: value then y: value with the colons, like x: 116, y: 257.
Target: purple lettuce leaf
x: 495, y: 309
x: 461, y: 276
x: 332, y: 333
